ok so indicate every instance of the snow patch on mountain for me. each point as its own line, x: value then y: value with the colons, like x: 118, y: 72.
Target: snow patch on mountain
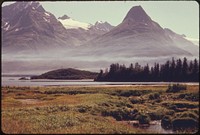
x: 47, y: 14
x: 6, y: 23
x: 7, y: 27
x: 47, y: 20
x: 104, y: 26
x: 98, y: 27
x: 28, y: 4
x: 25, y: 5
x: 193, y: 40
x: 73, y: 24
x: 99, y: 22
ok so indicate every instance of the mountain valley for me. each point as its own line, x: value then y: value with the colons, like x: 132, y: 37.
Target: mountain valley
x: 33, y: 39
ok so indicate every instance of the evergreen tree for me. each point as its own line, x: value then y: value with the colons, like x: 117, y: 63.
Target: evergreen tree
x: 195, y: 71
x: 185, y: 69
x: 178, y: 70
x: 131, y: 67
x: 169, y: 71
x: 172, y: 70
x: 100, y: 76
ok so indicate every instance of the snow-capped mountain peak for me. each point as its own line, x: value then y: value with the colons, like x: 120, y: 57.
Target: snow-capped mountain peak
x: 70, y: 23
x: 99, y: 22
x: 104, y: 26
x: 30, y: 27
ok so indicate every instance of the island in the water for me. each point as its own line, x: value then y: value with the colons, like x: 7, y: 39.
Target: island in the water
x: 68, y: 73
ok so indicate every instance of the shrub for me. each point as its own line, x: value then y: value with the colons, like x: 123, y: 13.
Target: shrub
x: 158, y: 100
x: 69, y: 92
x: 84, y: 108
x: 180, y: 105
x: 184, y: 123
x: 166, y: 122
x: 196, y: 112
x: 134, y: 114
x: 143, y: 119
x: 186, y: 105
x: 173, y: 107
x: 155, y: 115
x: 170, y: 112
x: 154, y: 96
x: 55, y: 108
x: 175, y: 88
x: 187, y: 114
x: 118, y: 114
x: 128, y: 93
x: 105, y: 104
x: 134, y: 111
x: 189, y: 96
x: 137, y: 100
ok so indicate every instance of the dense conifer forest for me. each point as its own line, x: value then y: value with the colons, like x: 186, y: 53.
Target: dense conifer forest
x: 171, y: 71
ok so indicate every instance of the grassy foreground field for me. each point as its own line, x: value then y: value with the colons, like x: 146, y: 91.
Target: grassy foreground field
x: 79, y: 109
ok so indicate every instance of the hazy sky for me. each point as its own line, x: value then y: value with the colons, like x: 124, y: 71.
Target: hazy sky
x: 180, y: 16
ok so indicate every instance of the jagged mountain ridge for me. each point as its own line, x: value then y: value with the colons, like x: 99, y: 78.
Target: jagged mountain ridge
x: 27, y: 26
x: 31, y: 28
x: 139, y: 36
x: 183, y: 43
x: 87, y: 30
x: 70, y: 23
x: 131, y: 41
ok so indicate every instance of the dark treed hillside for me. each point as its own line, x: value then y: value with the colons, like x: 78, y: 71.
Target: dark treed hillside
x: 174, y: 70
x: 69, y: 73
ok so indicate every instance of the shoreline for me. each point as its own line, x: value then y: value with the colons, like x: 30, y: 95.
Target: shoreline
x: 100, y: 85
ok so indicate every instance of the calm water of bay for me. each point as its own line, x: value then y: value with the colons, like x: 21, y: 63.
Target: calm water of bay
x: 14, y: 81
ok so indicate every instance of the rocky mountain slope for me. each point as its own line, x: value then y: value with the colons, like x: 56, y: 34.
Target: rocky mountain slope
x: 87, y: 31
x: 28, y: 27
x: 139, y: 36
x: 34, y: 39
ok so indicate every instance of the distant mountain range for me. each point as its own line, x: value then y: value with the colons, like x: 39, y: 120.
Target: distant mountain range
x: 84, y: 30
x: 70, y: 23
x: 28, y: 30
x: 138, y: 35
x: 28, y: 27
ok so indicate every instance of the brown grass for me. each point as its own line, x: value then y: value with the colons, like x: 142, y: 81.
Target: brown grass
x: 31, y: 110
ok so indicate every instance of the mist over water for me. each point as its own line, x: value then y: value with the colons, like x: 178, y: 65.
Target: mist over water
x: 36, y: 41
x: 37, y: 63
